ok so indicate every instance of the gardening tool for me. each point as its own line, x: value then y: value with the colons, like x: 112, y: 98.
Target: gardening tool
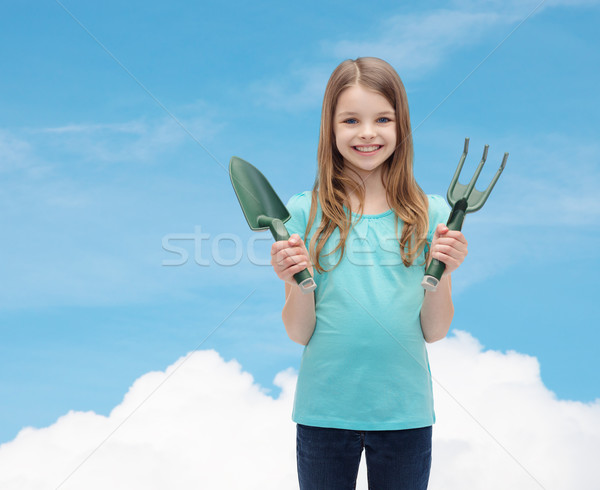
x: 463, y: 199
x: 263, y: 209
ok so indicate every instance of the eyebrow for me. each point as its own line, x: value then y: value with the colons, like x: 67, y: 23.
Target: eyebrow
x: 349, y: 113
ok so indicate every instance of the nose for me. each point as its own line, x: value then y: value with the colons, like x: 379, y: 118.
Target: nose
x: 367, y: 131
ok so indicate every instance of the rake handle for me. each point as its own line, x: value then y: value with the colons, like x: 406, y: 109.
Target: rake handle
x: 303, y: 278
x: 436, y: 268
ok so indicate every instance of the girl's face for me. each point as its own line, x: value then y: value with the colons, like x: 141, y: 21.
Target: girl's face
x: 365, y: 129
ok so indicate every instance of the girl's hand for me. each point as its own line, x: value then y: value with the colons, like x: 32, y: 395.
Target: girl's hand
x: 449, y: 247
x: 289, y: 257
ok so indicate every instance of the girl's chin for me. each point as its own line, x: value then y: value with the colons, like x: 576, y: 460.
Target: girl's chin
x: 361, y: 168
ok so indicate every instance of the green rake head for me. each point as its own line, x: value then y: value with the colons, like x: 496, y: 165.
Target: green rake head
x: 474, y: 199
x: 463, y: 199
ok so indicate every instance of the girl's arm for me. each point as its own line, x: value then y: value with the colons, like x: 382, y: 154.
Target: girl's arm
x: 437, y: 311
x: 449, y: 247
x: 298, y: 314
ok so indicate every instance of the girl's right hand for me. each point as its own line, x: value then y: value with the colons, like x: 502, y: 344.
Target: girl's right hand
x: 288, y: 257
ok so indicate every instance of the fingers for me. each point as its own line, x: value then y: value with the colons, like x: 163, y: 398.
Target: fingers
x: 285, y: 249
x: 442, y: 231
x: 449, y: 247
x: 289, y: 257
x: 449, y: 255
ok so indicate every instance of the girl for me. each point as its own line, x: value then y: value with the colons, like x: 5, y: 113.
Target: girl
x: 364, y: 380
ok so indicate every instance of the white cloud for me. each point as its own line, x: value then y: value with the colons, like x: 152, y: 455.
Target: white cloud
x: 130, y: 141
x: 204, y: 423
x: 303, y: 87
x: 414, y: 43
x: 133, y: 127
x: 87, y: 216
x: 17, y: 154
x: 207, y: 425
x: 521, y: 7
x: 550, y: 180
x: 555, y: 441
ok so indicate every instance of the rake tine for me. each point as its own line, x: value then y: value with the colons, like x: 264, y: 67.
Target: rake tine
x: 475, y: 206
x: 454, y: 181
x: 471, y: 185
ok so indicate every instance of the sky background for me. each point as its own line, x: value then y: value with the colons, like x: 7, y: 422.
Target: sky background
x: 123, y: 244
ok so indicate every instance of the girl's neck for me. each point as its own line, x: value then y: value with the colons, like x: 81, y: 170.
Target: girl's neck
x: 375, y: 193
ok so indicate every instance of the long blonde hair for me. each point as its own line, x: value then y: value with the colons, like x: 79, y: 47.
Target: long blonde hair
x: 331, y: 186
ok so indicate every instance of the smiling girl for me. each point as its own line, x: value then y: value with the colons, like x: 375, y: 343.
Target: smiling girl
x: 364, y: 380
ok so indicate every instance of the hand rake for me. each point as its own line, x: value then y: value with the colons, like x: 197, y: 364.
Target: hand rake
x: 463, y: 199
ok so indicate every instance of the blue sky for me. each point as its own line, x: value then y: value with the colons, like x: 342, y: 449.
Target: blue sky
x: 117, y: 125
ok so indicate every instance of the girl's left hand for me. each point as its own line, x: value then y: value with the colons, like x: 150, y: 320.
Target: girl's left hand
x: 449, y: 247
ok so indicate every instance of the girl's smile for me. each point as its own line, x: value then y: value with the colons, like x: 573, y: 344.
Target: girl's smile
x: 367, y: 149
x: 365, y: 129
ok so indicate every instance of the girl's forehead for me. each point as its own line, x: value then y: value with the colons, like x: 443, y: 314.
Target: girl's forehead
x: 360, y: 97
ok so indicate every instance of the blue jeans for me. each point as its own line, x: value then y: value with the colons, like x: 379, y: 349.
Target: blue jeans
x: 328, y: 459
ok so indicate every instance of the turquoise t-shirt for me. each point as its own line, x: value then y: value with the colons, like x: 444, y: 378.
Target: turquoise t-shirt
x: 365, y: 366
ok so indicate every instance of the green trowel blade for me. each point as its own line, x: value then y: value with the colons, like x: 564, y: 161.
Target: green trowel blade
x: 255, y: 194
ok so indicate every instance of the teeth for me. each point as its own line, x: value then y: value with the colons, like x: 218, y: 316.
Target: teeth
x: 367, y: 148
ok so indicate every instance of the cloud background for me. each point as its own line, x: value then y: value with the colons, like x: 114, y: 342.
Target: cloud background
x: 204, y: 421
x: 95, y: 174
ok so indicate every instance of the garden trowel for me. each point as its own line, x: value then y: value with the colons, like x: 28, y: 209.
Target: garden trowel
x: 263, y: 209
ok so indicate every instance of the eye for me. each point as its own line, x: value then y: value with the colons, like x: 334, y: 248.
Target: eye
x: 351, y: 121
x: 384, y: 120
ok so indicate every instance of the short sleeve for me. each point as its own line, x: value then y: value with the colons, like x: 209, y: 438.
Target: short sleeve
x: 439, y: 212
x: 299, y: 209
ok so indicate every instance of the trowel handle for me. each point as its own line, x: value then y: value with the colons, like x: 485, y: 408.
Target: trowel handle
x: 436, y: 268
x: 303, y: 278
